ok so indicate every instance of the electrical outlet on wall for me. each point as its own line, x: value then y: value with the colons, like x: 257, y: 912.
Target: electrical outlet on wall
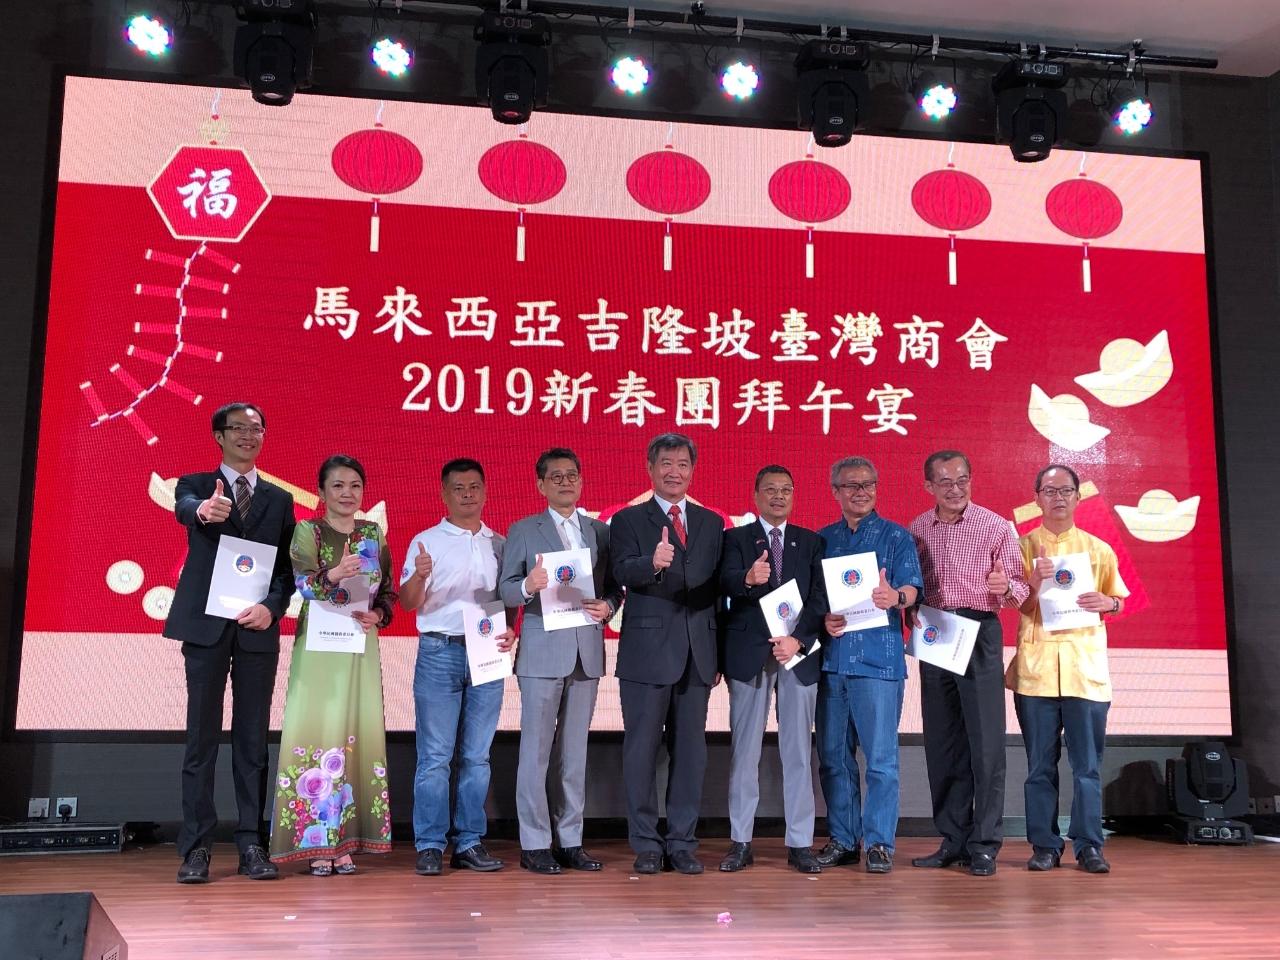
x: 1266, y: 805
x: 71, y: 802
x: 37, y: 808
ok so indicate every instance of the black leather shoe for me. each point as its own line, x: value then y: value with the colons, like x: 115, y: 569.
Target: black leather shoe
x: 430, y: 863
x: 648, y: 862
x: 982, y: 865
x: 195, y: 868
x: 739, y: 856
x: 475, y: 858
x: 1091, y: 860
x: 803, y: 860
x: 879, y: 859
x: 836, y: 854
x: 942, y: 857
x: 539, y: 861
x: 683, y: 861
x: 575, y: 858
x: 1042, y: 859
x: 256, y: 865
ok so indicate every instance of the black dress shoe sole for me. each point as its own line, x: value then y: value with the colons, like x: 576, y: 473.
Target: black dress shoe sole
x: 690, y: 870
x: 549, y: 871
x: 246, y: 872
x: 194, y: 878
x: 459, y: 864
x: 983, y: 871
x: 433, y: 871
x: 648, y: 868
x: 736, y: 864
x: 1040, y: 866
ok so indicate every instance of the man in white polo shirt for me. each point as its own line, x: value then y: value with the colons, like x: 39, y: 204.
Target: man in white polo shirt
x: 449, y: 565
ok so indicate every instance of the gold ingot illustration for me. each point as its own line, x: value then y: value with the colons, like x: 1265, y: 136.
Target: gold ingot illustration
x: 1063, y: 420
x: 1130, y: 372
x: 1160, y: 516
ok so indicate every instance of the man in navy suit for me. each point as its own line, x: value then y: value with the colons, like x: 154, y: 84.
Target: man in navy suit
x: 232, y: 500
x: 759, y: 558
x: 666, y: 552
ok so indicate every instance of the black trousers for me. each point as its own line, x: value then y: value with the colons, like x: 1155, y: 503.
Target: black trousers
x: 253, y: 675
x: 674, y: 714
x: 964, y: 743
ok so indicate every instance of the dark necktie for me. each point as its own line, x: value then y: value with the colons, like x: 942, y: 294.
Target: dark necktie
x: 674, y: 514
x: 775, y: 554
x: 243, y: 497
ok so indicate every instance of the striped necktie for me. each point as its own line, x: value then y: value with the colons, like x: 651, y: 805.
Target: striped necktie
x: 243, y: 497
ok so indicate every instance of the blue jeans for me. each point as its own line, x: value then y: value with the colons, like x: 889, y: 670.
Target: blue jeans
x: 451, y: 715
x: 1045, y: 721
x: 853, y: 710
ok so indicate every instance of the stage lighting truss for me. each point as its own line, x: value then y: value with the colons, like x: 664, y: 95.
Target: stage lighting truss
x: 273, y: 48
x: 512, y: 66
x: 832, y: 90
x: 1031, y: 107
x: 149, y: 35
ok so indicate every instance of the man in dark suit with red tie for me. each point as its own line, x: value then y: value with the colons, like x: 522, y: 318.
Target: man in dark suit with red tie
x: 665, y: 552
x: 232, y: 501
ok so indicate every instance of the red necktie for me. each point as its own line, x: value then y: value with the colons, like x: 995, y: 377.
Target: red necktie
x: 674, y: 514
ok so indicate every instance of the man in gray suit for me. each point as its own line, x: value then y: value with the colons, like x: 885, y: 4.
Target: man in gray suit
x: 558, y: 670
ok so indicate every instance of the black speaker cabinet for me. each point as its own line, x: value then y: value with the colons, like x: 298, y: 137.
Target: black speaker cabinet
x: 58, y: 926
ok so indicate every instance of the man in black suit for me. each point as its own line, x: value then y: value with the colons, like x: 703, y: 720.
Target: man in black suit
x: 235, y: 501
x: 665, y: 552
x: 759, y: 558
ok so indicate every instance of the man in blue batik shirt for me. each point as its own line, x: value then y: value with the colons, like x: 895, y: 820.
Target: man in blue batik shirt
x: 864, y: 673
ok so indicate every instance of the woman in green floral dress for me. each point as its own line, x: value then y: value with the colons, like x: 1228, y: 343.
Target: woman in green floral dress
x: 331, y: 786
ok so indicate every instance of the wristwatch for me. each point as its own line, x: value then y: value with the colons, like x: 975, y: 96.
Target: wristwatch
x: 1115, y: 605
x: 902, y: 598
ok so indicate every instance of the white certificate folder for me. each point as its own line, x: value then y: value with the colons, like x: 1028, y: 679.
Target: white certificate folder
x: 943, y: 639
x: 241, y: 576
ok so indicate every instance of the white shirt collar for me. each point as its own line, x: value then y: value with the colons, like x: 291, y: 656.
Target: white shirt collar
x: 454, y: 530
x: 768, y: 528
x: 666, y: 506
x: 558, y: 519
x: 231, y: 476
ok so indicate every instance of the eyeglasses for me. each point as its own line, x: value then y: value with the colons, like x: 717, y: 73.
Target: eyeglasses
x: 1057, y: 493
x: 777, y: 491
x: 245, y: 429
x: 559, y: 478
x: 853, y: 486
x: 959, y: 483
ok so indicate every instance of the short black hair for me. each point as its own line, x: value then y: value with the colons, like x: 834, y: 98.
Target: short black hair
x: 223, y: 412
x: 1075, y: 479
x: 460, y: 465
x: 336, y: 461
x: 772, y: 468
x: 556, y: 453
x: 942, y: 456
x: 671, y: 441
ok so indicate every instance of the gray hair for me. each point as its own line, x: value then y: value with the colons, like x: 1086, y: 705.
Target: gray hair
x: 849, y: 463
x: 671, y: 441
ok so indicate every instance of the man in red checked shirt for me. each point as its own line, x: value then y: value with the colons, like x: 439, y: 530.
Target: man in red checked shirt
x: 972, y: 567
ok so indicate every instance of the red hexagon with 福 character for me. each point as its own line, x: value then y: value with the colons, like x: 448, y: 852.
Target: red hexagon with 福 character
x: 209, y: 193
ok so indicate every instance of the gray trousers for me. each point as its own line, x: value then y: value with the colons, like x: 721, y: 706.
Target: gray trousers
x: 748, y: 710
x: 555, y: 715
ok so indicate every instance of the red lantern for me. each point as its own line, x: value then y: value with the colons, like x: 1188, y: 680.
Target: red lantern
x: 376, y: 162
x: 524, y: 173
x: 812, y: 192
x: 669, y: 183
x: 1086, y: 210
x: 951, y: 200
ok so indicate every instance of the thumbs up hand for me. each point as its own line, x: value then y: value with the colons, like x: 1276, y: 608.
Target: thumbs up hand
x: 664, y: 553
x: 760, y: 571
x: 537, y: 578
x: 1042, y: 569
x: 348, y: 565
x: 882, y: 594
x: 422, y: 563
x: 217, y: 508
x: 997, y: 579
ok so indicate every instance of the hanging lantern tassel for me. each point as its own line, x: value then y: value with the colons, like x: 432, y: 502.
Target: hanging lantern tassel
x: 666, y: 248
x: 375, y: 227
x: 1086, y: 272
x: 520, y: 237
x: 951, y: 261
x: 808, y: 253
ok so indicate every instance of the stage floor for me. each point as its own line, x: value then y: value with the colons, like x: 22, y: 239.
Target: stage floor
x: 1161, y: 900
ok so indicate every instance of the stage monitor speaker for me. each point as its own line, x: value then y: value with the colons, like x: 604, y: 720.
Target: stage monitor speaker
x: 58, y: 926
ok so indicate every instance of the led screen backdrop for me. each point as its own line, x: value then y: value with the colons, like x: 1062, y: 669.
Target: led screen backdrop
x: 408, y: 283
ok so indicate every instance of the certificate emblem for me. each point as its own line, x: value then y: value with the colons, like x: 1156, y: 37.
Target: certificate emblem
x: 485, y: 626
x: 340, y: 597
x: 565, y: 573
x: 1064, y: 578
x: 784, y: 611
x: 244, y: 564
x: 931, y: 634
x: 852, y: 577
